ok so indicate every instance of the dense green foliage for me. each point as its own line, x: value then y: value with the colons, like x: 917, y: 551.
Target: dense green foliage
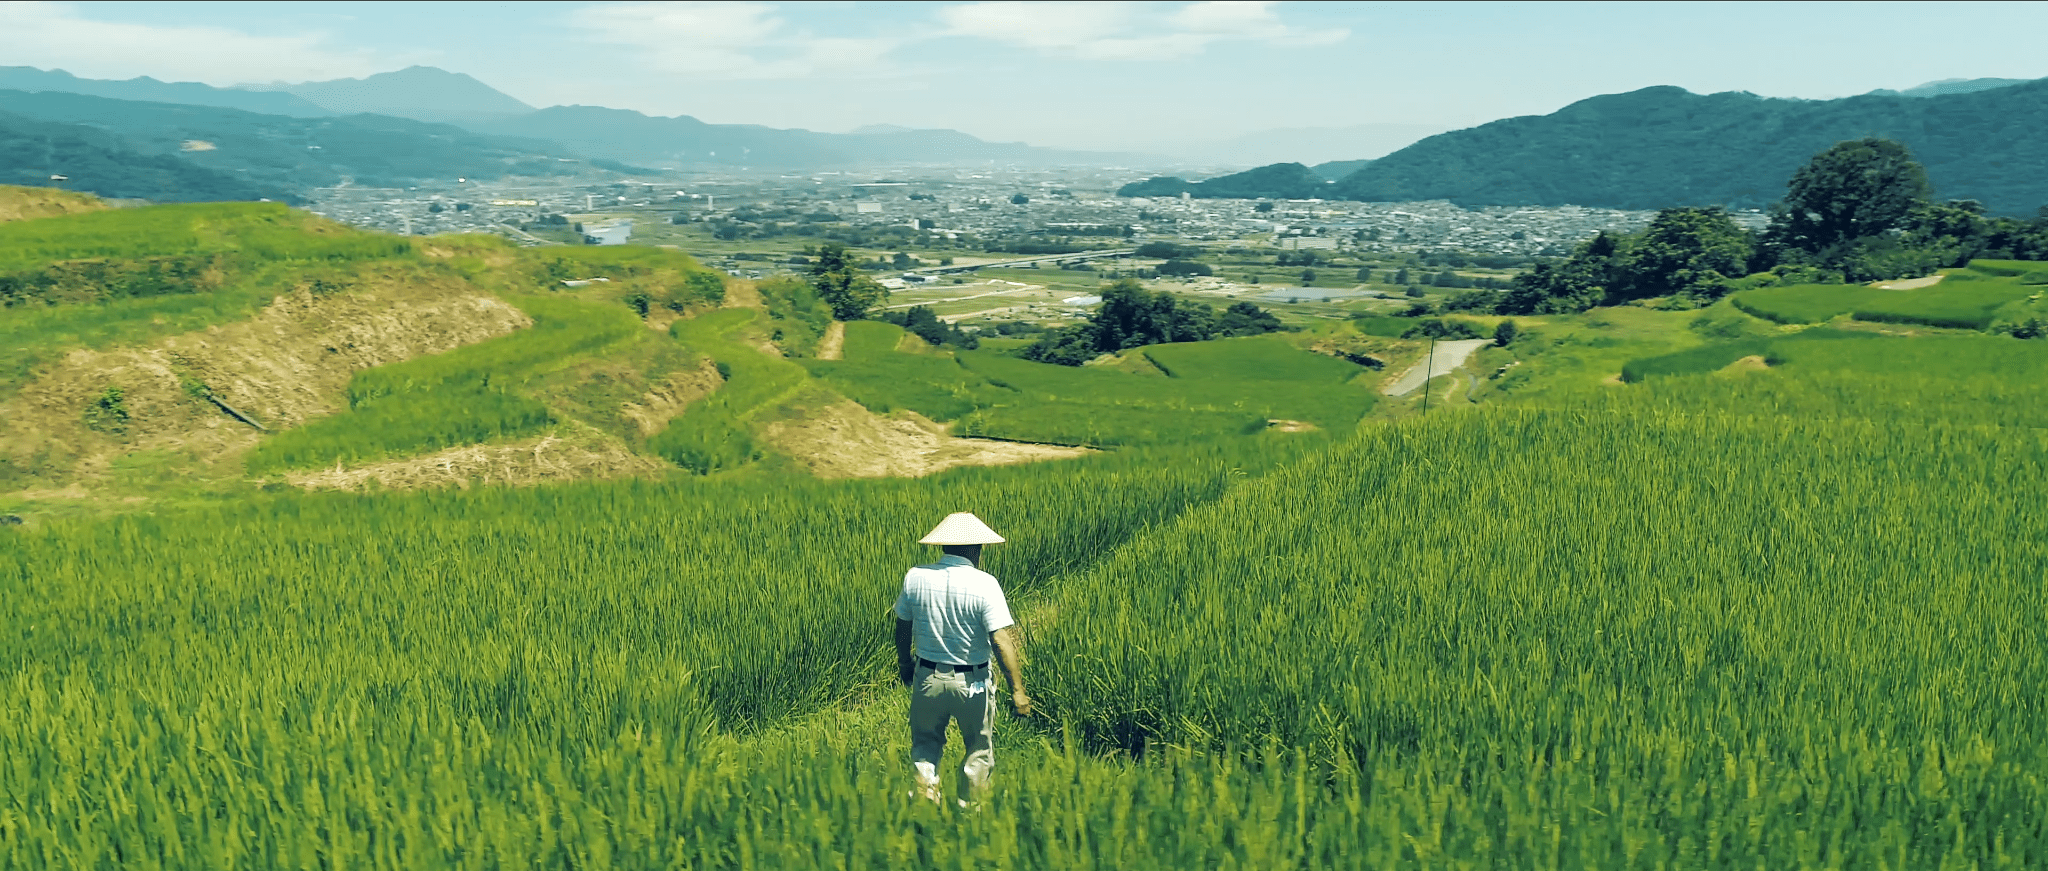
x: 1849, y: 192
x: 922, y: 322
x: 1131, y: 317
x: 1858, y: 211
x: 846, y: 289
x: 1662, y: 147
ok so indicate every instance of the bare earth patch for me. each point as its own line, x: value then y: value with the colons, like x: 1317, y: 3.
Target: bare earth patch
x: 289, y: 363
x: 1613, y: 380
x: 741, y: 294
x: 1278, y: 425
x: 840, y: 439
x: 1751, y: 363
x: 833, y: 345
x: 530, y: 461
x: 668, y: 398
x: 1908, y: 283
x: 26, y: 203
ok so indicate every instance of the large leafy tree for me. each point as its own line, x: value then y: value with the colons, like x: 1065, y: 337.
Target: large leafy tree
x: 850, y: 292
x: 1586, y: 279
x: 1689, y: 250
x: 1852, y: 191
x: 1131, y: 316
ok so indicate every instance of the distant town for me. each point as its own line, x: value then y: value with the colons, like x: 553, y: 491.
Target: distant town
x: 980, y: 204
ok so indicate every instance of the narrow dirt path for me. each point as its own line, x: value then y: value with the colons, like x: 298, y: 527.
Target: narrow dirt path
x: 741, y: 294
x: 833, y: 345
x: 1908, y: 283
x: 1448, y: 357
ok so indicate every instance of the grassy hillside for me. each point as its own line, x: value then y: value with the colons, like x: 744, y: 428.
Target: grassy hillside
x: 137, y: 286
x: 24, y: 203
x: 1784, y: 615
x: 1618, y: 635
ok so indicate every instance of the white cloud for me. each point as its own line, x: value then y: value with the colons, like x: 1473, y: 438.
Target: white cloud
x: 729, y: 41
x: 56, y: 35
x: 1126, y: 31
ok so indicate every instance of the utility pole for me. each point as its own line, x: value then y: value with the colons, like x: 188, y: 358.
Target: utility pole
x: 1428, y: 372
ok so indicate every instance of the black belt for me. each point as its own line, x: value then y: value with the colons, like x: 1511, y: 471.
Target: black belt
x: 947, y: 667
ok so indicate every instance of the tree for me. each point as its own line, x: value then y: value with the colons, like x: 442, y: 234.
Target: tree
x: 1245, y: 319
x: 1401, y: 277
x: 1580, y: 282
x: 1263, y: 208
x: 1019, y: 199
x: 1688, y: 251
x: 1185, y: 268
x: 1071, y: 346
x: 1164, y: 251
x: 1308, y: 277
x: 922, y: 322
x: 1364, y: 273
x: 1851, y: 191
x: 845, y: 288
x: 1504, y: 333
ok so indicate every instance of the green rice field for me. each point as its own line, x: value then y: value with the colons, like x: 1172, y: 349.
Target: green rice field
x: 1788, y: 616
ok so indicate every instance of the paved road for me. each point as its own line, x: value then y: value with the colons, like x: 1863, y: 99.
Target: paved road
x: 1449, y: 355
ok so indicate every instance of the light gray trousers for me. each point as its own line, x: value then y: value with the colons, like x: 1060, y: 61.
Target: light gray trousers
x: 939, y: 697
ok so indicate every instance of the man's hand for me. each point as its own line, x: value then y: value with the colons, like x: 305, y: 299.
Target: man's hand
x: 1020, y: 703
x: 906, y: 672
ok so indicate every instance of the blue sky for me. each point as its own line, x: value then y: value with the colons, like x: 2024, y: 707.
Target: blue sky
x: 1097, y: 75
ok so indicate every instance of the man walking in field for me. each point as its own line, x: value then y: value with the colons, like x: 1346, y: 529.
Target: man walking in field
x: 950, y: 617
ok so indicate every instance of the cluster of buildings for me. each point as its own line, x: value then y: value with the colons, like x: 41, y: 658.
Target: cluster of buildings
x: 1071, y: 204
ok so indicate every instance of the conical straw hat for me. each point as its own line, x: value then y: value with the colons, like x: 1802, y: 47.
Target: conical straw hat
x: 961, y: 528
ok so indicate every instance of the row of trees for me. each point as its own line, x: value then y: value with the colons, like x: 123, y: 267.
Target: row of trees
x: 1859, y: 211
x: 1131, y: 316
x: 922, y: 322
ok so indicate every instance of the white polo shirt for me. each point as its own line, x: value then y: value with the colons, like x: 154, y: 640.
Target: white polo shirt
x: 952, y: 607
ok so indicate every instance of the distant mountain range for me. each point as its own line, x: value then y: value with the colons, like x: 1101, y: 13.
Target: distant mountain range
x: 151, y: 90
x: 80, y: 157
x: 406, y: 97
x: 1946, y: 87
x: 1652, y: 148
x: 274, y: 156
x: 1663, y: 146
x: 683, y: 142
x: 419, y: 93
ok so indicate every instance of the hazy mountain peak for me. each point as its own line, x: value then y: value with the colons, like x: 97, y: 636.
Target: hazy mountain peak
x: 422, y: 93
x: 882, y: 130
x: 147, y: 89
x: 1946, y: 87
